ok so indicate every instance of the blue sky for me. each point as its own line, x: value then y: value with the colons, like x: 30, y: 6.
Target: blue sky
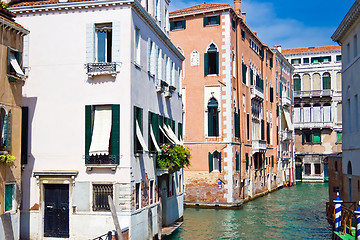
x: 289, y: 23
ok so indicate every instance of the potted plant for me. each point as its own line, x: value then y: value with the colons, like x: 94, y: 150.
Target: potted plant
x: 173, y: 157
x: 7, y: 158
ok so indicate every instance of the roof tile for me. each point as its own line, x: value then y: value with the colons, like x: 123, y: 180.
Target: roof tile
x: 200, y: 8
x: 310, y: 49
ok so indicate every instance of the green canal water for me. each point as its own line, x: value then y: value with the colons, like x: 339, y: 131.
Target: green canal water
x: 289, y: 213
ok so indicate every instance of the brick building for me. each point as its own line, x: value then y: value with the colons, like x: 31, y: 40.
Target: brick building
x: 229, y: 89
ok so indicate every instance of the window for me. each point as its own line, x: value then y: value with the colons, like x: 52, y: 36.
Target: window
x: 248, y: 126
x: 177, y: 25
x: 296, y: 61
x: 166, y: 20
x: 355, y: 46
x: 242, y: 34
x: 307, y: 168
x: 237, y: 162
x: 237, y: 124
x: 211, y: 20
x: 104, y: 42
x: 244, y: 73
x: 157, y: 10
x: 14, y: 64
x: 9, y: 196
x: 251, y: 77
x: 317, y: 168
x: 326, y: 81
x: 5, y: 129
x: 139, y: 142
x: 348, y: 53
x: 305, y: 60
x: 297, y: 83
x: 211, y: 60
x: 137, y: 45
x: 173, y: 188
x: 100, y: 196
x: 159, y: 66
x: 180, y: 184
x: 262, y: 129
x: 271, y: 62
x: 215, y: 162
x: 247, y: 160
x: 272, y: 160
x: 233, y: 24
x: 307, y: 138
x: 102, y: 134
x: 213, y: 118
x: 271, y: 94
x: 137, y: 195
x: 311, y: 137
x: 180, y: 131
x: 151, y: 191
x: 339, y: 137
x: 268, y: 133
x: 317, y: 137
x: 151, y: 57
x: 154, y: 136
x: 338, y: 58
x: 326, y: 59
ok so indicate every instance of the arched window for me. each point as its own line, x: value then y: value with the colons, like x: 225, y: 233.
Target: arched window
x: 215, y: 161
x: 306, y: 85
x: 211, y: 60
x: 297, y: 83
x: 316, y: 81
x: 326, y: 81
x: 213, y: 118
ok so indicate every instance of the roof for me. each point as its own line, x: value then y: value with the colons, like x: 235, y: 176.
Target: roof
x: 201, y: 8
x: 349, y: 20
x: 37, y: 2
x: 7, y: 18
x: 310, y: 49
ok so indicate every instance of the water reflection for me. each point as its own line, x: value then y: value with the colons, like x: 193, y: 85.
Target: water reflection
x: 290, y: 213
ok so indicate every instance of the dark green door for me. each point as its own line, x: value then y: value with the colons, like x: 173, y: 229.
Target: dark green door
x: 298, y: 172
x: 56, y: 216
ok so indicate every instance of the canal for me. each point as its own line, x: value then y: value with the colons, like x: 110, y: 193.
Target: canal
x: 289, y: 213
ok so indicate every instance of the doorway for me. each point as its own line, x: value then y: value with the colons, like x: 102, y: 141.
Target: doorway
x: 56, y: 213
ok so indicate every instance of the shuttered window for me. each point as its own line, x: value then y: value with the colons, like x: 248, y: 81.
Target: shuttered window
x: 211, y: 61
x: 262, y: 130
x: 237, y: 124
x: 9, y: 196
x: 237, y: 162
x: 251, y: 77
x: 213, y: 118
x: 154, y: 125
x: 138, y: 118
x: 272, y: 160
x: 177, y: 25
x: 211, y: 20
x: 247, y: 160
x: 297, y: 83
x: 326, y: 81
x: 317, y: 137
x: 211, y: 164
x: 271, y: 94
x: 244, y: 71
x: 180, y: 131
x: 339, y: 137
x: 6, y: 131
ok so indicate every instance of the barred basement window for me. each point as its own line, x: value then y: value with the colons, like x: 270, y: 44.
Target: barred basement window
x: 100, y: 196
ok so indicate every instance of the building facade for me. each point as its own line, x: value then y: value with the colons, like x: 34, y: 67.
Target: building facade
x: 230, y: 110
x: 103, y: 82
x: 12, y: 78
x: 348, y: 169
x: 284, y: 113
x: 317, y: 108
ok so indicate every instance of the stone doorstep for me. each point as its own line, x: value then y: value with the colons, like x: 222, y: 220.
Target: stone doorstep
x: 167, y: 231
x: 234, y: 205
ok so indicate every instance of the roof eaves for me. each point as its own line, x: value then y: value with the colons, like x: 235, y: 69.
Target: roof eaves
x: 198, y: 11
x: 15, y: 26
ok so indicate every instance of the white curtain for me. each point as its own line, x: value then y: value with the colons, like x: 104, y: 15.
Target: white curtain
x: 14, y: 63
x: 140, y: 137
x: 101, y: 131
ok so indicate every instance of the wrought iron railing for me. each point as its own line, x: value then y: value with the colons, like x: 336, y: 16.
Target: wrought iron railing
x: 101, y: 159
x: 106, y: 236
x: 100, y: 196
x: 101, y: 68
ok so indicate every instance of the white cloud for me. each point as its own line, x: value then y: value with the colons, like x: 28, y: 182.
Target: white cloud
x: 271, y: 28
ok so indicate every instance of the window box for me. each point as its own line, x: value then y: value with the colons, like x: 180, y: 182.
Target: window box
x: 102, y: 68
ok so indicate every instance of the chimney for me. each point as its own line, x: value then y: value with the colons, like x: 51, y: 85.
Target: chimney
x: 244, y: 16
x: 237, y: 6
x: 278, y: 47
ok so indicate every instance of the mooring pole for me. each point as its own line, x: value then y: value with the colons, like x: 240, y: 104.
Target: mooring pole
x: 338, y: 202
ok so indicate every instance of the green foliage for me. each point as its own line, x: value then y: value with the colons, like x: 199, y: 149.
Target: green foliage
x: 7, y: 158
x: 173, y: 157
x: 3, y: 4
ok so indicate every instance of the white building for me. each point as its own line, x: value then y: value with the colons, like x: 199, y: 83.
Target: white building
x: 347, y: 35
x: 101, y: 76
x: 317, y: 108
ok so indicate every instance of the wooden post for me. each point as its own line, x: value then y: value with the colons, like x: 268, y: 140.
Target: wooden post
x: 115, y: 218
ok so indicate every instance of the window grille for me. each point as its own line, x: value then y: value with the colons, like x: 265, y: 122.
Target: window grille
x: 100, y: 194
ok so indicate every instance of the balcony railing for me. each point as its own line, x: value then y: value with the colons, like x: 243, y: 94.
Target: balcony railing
x: 257, y: 93
x: 286, y: 101
x: 299, y: 125
x: 314, y: 93
x: 102, y: 68
x: 259, y: 145
x: 101, y: 160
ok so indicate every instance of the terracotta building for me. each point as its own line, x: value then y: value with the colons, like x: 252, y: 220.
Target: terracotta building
x: 317, y: 108
x: 12, y: 78
x: 229, y: 99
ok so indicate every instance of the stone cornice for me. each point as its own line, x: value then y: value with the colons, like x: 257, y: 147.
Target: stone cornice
x: 70, y: 6
x: 347, y: 22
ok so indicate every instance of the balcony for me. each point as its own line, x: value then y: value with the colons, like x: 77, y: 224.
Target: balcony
x: 286, y: 101
x: 257, y: 93
x: 258, y: 146
x: 301, y: 125
x: 101, y: 161
x: 102, y: 68
x: 314, y: 93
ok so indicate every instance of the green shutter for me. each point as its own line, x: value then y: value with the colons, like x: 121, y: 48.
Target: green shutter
x: 326, y: 83
x: 339, y: 137
x: 244, y: 69
x: 172, y: 26
x: 9, y: 191
x: 303, y: 138
x: 271, y: 62
x: 297, y: 84
x: 151, y: 144
x: 205, y: 21
x: 211, y: 167
x: 218, y: 19
x: 280, y: 90
x: 89, y: 120
x: 237, y: 124
x: 237, y: 164
x: 115, y: 132
x: 7, y: 131
x: 210, y: 124
x: 251, y: 77
x: 220, y: 162
x: 180, y: 130
x: 247, y: 160
x: 172, y: 125
x: 217, y: 62
x: 262, y: 53
x: 183, y: 24
x: 138, y: 117
x: 317, y: 137
x: 206, y: 64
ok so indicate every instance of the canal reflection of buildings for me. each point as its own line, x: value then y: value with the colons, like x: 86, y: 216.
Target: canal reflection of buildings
x: 317, y: 109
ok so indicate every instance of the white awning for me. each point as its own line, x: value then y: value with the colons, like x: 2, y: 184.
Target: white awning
x: 166, y: 135
x: 154, y: 140
x: 140, y: 137
x: 171, y: 134
x: 288, y: 119
x: 14, y: 63
x: 101, y: 131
